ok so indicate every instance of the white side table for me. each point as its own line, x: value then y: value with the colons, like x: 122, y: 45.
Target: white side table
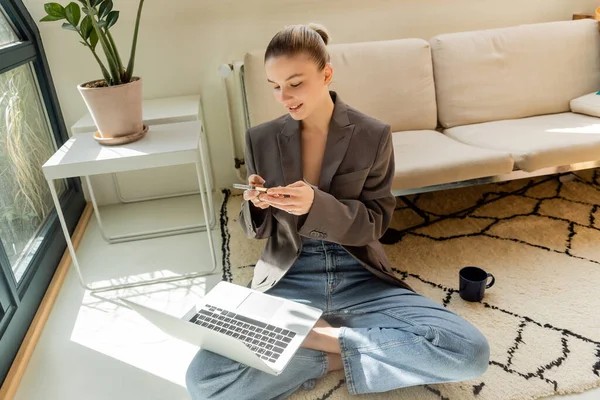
x: 160, y: 111
x: 164, y: 145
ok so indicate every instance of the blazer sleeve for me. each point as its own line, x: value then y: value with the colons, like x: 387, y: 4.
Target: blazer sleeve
x: 362, y: 221
x: 256, y: 223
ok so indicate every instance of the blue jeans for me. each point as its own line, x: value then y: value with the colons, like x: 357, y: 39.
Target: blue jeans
x: 390, y: 337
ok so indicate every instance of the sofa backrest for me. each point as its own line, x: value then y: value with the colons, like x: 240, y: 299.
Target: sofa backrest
x: 389, y: 80
x: 514, y: 72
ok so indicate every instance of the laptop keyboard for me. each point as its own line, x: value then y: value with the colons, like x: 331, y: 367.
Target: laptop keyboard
x: 266, y: 341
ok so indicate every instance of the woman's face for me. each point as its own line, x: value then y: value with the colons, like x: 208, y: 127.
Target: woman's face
x: 298, y: 84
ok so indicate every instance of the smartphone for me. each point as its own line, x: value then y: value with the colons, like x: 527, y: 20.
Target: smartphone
x: 250, y: 187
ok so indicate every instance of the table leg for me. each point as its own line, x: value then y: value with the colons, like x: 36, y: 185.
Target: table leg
x: 96, y: 209
x: 199, y: 227
x: 205, y: 169
x: 203, y: 196
x: 117, y: 186
x: 129, y: 237
x: 75, y: 262
x: 65, y: 230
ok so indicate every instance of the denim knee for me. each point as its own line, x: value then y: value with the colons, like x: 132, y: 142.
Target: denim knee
x: 194, y: 378
x: 468, y: 352
x: 477, y: 357
x: 205, y: 379
x: 191, y: 383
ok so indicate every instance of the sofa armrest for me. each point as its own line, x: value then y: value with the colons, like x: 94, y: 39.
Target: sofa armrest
x: 588, y: 104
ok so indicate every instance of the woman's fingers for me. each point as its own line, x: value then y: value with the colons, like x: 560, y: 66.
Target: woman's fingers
x: 279, y: 201
x: 250, y: 194
x: 255, y: 197
x: 256, y: 180
x: 263, y: 205
x: 281, y: 191
x: 295, y: 199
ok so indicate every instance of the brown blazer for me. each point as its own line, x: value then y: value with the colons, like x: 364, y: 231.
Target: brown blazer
x: 353, y: 203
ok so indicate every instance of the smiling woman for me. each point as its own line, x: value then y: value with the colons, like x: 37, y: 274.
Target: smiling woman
x: 31, y: 128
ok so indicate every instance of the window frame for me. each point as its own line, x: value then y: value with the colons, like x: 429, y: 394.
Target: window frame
x: 27, y: 295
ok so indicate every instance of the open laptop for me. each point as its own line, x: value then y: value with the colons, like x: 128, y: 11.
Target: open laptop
x: 245, y: 325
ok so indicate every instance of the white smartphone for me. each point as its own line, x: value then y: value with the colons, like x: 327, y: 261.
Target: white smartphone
x: 249, y: 187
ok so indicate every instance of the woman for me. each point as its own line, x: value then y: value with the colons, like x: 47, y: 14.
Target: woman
x: 329, y: 170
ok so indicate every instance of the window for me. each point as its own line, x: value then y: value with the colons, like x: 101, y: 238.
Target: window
x: 27, y: 143
x: 7, y: 35
x: 31, y: 129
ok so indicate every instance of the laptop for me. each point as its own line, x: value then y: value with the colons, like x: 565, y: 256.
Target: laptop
x: 253, y: 328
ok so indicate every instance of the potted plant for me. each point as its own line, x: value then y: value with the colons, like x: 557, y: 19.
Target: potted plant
x: 115, y: 101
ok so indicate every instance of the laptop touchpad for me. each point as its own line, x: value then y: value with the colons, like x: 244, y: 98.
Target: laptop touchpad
x: 259, y: 305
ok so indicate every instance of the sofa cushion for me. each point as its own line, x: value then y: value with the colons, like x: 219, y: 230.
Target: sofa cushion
x: 537, y: 142
x: 588, y: 104
x: 426, y: 158
x: 514, y: 72
x: 389, y: 80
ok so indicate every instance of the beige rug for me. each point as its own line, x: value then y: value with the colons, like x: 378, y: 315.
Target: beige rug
x: 541, y: 240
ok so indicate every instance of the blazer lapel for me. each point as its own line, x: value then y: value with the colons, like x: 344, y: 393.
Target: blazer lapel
x: 290, y: 151
x: 338, y: 140
x: 289, y: 140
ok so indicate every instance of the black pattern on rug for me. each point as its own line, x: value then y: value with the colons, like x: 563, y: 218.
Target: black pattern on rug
x: 596, y: 367
x: 477, y: 388
x: 436, y: 392
x: 225, y: 237
x: 333, y: 389
x: 518, y: 338
x: 394, y: 236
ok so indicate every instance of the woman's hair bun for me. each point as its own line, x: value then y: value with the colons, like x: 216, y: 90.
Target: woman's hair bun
x: 296, y: 39
x: 321, y: 30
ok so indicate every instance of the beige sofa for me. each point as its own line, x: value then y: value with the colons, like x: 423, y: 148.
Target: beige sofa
x: 470, y: 107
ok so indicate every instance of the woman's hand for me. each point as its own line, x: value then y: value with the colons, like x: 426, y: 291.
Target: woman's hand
x: 299, y: 202
x: 254, y: 195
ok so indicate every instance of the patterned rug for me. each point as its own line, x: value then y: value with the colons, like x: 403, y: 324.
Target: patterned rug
x: 541, y: 240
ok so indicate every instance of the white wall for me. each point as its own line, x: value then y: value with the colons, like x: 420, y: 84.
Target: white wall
x: 182, y: 43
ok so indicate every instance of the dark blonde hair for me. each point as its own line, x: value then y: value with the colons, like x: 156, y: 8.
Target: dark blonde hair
x: 309, y: 39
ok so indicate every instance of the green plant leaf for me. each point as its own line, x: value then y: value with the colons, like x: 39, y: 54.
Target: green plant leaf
x: 93, y: 39
x: 68, y: 26
x: 86, y: 27
x: 55, y: 10
x: 102, y: 24
x: 112, y: 19
x: 89, y: 11
x: 92, y: 2
x: 50, y: 18
x: 105, y: 8
x: 136, y: 31
x: 73, y: 13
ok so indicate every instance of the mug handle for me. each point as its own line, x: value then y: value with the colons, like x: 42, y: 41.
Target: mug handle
x: 489, y: 285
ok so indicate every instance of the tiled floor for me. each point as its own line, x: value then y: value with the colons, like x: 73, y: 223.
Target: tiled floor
x: 94, y: 349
